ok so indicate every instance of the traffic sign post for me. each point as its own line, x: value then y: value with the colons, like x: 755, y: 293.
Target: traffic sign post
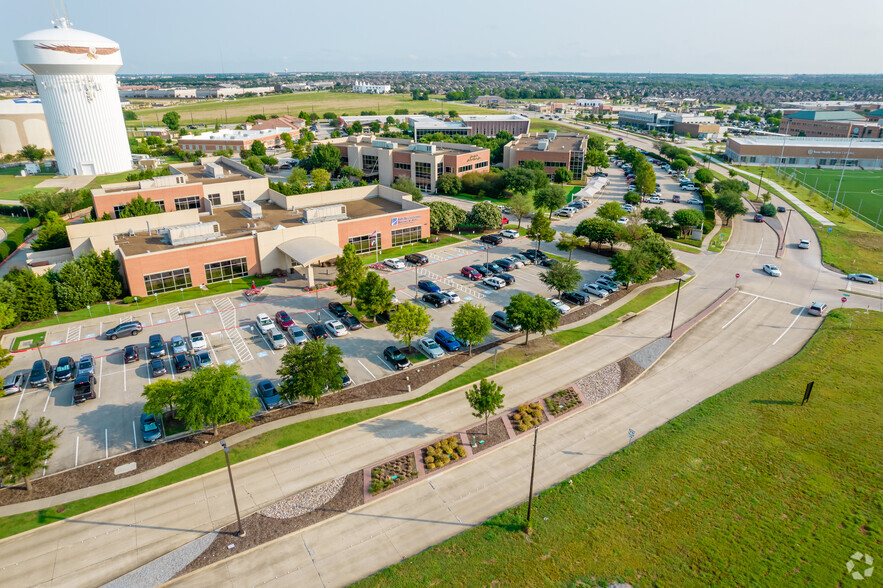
x: 736, y: 285
x: 842, y: 301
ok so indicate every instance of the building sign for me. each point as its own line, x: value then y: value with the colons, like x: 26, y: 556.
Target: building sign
x: 474, y: 157
x: 404, y: 220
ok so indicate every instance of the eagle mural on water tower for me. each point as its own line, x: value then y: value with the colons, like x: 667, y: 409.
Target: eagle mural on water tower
x: 90, y: 52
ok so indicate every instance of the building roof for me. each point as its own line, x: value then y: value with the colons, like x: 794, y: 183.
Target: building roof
x: 306, y: 250
x: 235, y: 134
x: 279, y: 122
x: 825, y: 115
x: 495, y: 117
x: 21, y: 106
x: 878, y: 112
x: 562, y: 143
x: 428, y: 122
x: 821, y: 142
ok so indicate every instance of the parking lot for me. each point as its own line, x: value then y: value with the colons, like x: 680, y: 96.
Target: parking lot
x: 109, y: 424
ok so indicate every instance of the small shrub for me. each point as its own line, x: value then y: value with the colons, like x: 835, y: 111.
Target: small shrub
x: 128, y: 300
x: 428, y: 460
x: 461, y: 451
x: 430, y: 466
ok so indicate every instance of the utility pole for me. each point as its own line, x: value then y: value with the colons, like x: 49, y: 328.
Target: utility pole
x: 787, y: 222
x: 533, y: 463
x: 239, y: 533
x: 677, y: 296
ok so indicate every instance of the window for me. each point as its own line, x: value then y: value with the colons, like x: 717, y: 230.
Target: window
x: 481, y: 164
x: 215, y: 199
x: 365, y: 243
x: 438, y: 169
x: 187, y: 202
x: 554, y: 164
x: 464, y: 168
x: 792, y: 160
x: 406, y: 166
x: 118, y: 209
x: 821, y: 162
x: 344, y: 160
x: 752, y: 159
x: 369, y: 164
x: 422, y: 169
x: 220, y: 271
x: 447, y: 170
x: 238, y: 195
x: 168, y: 281
x: 405, y: 236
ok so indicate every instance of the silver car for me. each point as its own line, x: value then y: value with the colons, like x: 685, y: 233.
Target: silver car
x: 595, y: 290
x: 430, y: 348
x: 277, y: 338
x: 297, y: 335
x: 866, y: 278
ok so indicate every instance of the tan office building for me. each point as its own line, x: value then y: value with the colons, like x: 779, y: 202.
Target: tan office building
x: 553, y: 149
x: 22, y: 123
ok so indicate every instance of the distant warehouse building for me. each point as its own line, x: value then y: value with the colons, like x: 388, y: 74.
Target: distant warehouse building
x: 385, y: 160
x: 553, y: 149
x: 22, y: 122
x: 696, y: 125
x: 806, y: 152
x: 829, y: 123
x: 491, y: 124
x: 366, y: 88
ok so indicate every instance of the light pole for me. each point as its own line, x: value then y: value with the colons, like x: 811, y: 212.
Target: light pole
x: 675, y: 311
x: 533, y: 463
x: 787, y: 222
x: 240, y: 533
x: 759, y: 183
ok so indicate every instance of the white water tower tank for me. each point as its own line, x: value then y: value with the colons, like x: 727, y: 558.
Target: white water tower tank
x: 75, y: 74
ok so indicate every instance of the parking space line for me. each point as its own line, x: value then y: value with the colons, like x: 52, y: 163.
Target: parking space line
x: 740, y: 313
x: 791, y: 325
x: 135, y: 434
x: 385, y: 363
x: 366, y: 369
x: 77, y: 453
x: 770, y: 299
x: 759, y: 249
x: 106, y: 447
x: 100, y: 372
x: 20, y: 396
x: 47, y: 400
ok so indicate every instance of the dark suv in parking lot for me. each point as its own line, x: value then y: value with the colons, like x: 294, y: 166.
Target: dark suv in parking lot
x: 84, y: 388
x: 337, y: 309
x: 124, y: 329
x: 40, y: 373
x: 156, y: 346
x: 491, y: 239
x: 575, y: 298
x: 417, y: 258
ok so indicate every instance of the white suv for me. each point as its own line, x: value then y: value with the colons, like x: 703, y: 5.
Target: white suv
x: 265, y: 323
x: 493, y: 282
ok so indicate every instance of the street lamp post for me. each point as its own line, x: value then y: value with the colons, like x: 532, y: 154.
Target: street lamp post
x: 240, y: 533
x: 760, y: 182
x: 533, y: 463
x: 787, y: 222
x: 675, y: 312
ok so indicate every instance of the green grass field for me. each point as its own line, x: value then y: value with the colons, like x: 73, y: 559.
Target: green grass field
x: 13, y: 187
x: 861, y: 191
x: 745, y: 489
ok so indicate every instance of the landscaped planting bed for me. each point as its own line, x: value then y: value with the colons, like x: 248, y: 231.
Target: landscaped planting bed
x: 496, y: 434
x: 393, y: 473
x: 527, y: 417
x: 563, y: 401
x: 443, y: 452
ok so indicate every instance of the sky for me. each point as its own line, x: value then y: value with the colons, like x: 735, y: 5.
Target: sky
x: 636, y: 36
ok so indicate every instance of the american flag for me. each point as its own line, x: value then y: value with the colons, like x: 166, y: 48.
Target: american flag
x: 373, y: 238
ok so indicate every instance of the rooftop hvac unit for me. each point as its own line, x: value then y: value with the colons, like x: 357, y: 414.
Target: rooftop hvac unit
x: 543, y: 145
x: 188, y: 234
x: 383, y: 144
x: 422, y: 148
x: 551, y: 135
x: 324, y: 213
x: 213, y: 170
x: 252, y: 209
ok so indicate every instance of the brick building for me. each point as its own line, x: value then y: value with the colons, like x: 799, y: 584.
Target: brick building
x: 237, y: 140
x: 554, y: 149
x: 491, y: 124
x: 829, y: 123
x: 806, y: 152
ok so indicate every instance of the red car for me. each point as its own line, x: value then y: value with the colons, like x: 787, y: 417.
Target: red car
x: 471, y: 273
x: 283, y: 320
x: 505, y: 220
x: 758, y: 218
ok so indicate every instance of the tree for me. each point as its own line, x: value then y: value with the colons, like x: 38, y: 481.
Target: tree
x: 24, y: 447
x: 737, y: 186
x: 258, y: 148
x: 703, y: 176
x: 74, y: 289
x: 407, y: 185
x: 733, y: 173
x: 310, y: 370
x: 768, y: 209
x: 632, y: 197
x: 287, y: 141
x: 679, y: 165
x: 326, y: 156
x: 657, y: 217
x: 518, y: 180
x: 484, y: 214
x: 629, y: 268
x: 52, y: 235
x: 161, y: 395
x: 5, y: 357
x: 685, y: 218
x: 214, y: 396
x: 568, y: 242
x: 521, y: 205
x: 645, y: 178
x: 33, y: 297
x: 541, y: 230
x: 351, y: 272
x: 485, y: 399
x: 355, y: 128
x: 329, y: 115
x: 298, y: 177
x: 597, y: 158
x: 550, y: 197
x: 374, y: 296
x: 375, y: 126
x: 561, y: 277
x: 449, y: 184
x: 534, y: 314
x: 596, y: 143
x: 407, y: 322
x: 32, y: 153
x: 8, y: 314
x: 611, y: 211
x: 729, y: 204
x: 321, y: 177
x: 597, y: 230
x: 471, y: 324
x: 563, y: 175
x: 655, y: 252
x: 172, y: 120
x: 444, y: 216
x: 351, y: 172
x: 254, y: 163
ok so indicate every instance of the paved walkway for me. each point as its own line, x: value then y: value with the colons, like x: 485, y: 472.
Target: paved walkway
x: 67, y: 182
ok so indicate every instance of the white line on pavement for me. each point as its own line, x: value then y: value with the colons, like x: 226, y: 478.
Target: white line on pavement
x: 366, y: 369
x: 740, y: 313
x: 789, y: 326
x: 100, y: 371
x: 770, y: 299
x: 760, y: 247
x: 125, y: 369
x: 77, y: 453
x: 749, y: 252
x: 106, y: 450
x: 135, y: 434
x: 20, y: 396
x: 47, y: 400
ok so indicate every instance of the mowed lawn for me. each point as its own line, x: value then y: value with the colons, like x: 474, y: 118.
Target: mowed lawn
x: 860, y: 190
x: 13, y: 187
x: 746, y: 489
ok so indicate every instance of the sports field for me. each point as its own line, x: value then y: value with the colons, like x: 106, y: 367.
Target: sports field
x: 860, y: 191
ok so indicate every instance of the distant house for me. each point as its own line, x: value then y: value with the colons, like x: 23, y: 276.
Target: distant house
x: 489, y: 100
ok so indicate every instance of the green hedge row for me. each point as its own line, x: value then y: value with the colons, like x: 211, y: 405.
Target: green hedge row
x: 17, y: 237
x: 708, y: 205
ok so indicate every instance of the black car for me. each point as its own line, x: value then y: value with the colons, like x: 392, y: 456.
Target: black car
x: 337, y: 309
x: 41, y: 371
x: 182, y: 364
x: 84, y: 388
x: 546, y: 262
x: 123, y: 329
x: 506, y: 264
x: 781, y: 209
x: 130, y: 354
x: 576, y: 298
x: 600, y: 174
x: 499, y: 318
x: 156, y: 346
x: 417, y: 258
x: 491, y: 239
x: 508, y: 278
x: 351, y: 322
x: 495, y: 269
x: 157, y: 367
x: 435, y: 299
x: 64, y: 371
x: 482, y: 269
x: 534, y: 255
x: 317, y: 331
x: 396, y: 358
x: 384, y: 316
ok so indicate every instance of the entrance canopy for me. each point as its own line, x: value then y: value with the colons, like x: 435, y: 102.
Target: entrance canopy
x: 307, y: 250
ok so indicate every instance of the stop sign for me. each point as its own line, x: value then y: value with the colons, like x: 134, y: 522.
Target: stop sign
x: 843, y: 299
x: 737, y: 276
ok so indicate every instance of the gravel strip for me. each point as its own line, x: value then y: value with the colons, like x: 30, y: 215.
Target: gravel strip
x: 163, y: 569
x: 646, y: 355
x: 598, y: 386
x: 306, y: 501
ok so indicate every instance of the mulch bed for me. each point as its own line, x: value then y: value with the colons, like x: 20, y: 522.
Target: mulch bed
x: 563, y: 401
x: 392, y: 473
x: 260, y: 529
x: 496, y: 434
x: 443, y: 452
x: 533, y: 406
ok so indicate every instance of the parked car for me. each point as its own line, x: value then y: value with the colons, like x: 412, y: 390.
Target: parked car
x: 157, y: 367
x: 803, y: 244
x: 150, y: 431
x: 547, y: 262
x: 268, y: 394
x: 156, y: 347
x: 499, y: 318
x: 575, y: 298
x: 493, y: 282
x: 608, y: 281
x: 534, y: 255
x: 277, y: 338
x: 84, y: 388
x: 495, y: 269
x: 197, y: 341
x: 772, y: 270
x: 283, y: 320
x: 491, y: 239
x: 595, y: 290
x: 654, y: 200
x: 297, y: 335
x: 482, y: 269
x: 560, y: 306
x: 780, y: 209
x: 677, y: 198
x: 866, y: 278
x: 336, y: 328
x: 623, y: 220
x: 182, y: 363
x: 520, y: 259
x: 394, y: 263
x: 448, y: 342
x: 430, y: 348
x: 346, y: 380
x: 471, y: 273
x: 436, y: 299
x: 417, y: 259
x: 509, y: 234
x: 317, y: 331
x: 452, y: 296
x: 337, y: 309
x: 506, y: 264
x: 178, y: 345
x: 351, y: 322
x: 123, y: 330
x: 14, y: 383
x: 86, y: 365
x: 264, y: 323
x: 428, y: 286
x: 203, y: 359
x: 609, y: 288
x: 694, y: 201
x: 396, y: 358
x: 65, y: 369
x: 817, y: 308
x: 565, y: 212
x: 508, y: 278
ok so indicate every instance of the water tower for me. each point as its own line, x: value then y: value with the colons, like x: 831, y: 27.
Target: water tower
x: 75, y: 75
